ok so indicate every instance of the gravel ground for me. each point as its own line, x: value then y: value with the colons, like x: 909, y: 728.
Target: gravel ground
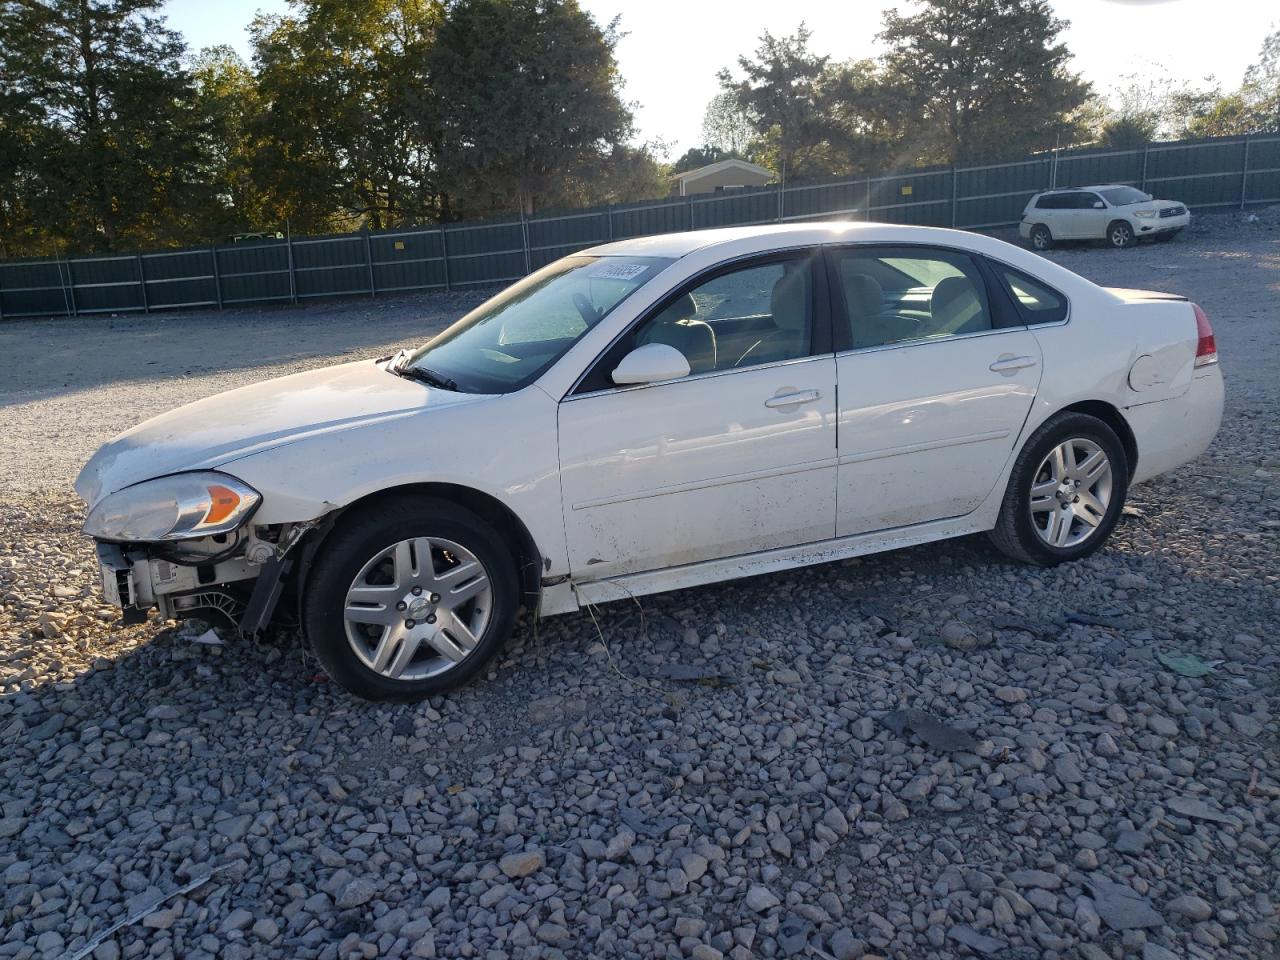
x: 1083, y: 799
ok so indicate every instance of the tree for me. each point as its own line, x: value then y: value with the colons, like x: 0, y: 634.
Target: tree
x: 696, y: 157
x: 337, y: 139
x: 1265, y: 72
x: 227, y: 98
x: 622, y: 175
x: 779, y: 96
x: 987, y: 78
x: 526, y: 96
x: 1253, y: 108
x: 726, y: 128
x: 98, y: 121
x: 1127, y: 132
x: 866, y: 125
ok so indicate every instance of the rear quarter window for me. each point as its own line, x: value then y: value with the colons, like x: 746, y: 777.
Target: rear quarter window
x: 1036, y: 302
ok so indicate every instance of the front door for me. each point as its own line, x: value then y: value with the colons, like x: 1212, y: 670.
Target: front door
x: 737, y: 457
x: 933, y: 394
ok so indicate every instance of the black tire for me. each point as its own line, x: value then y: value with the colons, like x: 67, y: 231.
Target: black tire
x: 361, y: 536
x: 1041, y: 237
x: 1120, y: 235
x: 1014, y: 534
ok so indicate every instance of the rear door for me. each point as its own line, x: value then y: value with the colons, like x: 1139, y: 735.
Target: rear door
x: 1051, y: 210
x: 935, y: 377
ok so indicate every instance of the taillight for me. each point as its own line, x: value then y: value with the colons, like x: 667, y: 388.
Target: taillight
x: 1206, y: 346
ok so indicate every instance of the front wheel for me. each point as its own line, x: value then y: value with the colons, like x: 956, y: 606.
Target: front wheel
x: 1065, y: 492
x: 409, y: 598
x: 1041, y: 237
x: 1120, y: 235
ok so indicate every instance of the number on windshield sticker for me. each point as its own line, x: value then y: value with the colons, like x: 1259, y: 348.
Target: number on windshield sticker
x: 605, y: 270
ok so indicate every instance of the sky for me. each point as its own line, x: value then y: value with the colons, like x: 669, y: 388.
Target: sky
x: 672, y: 49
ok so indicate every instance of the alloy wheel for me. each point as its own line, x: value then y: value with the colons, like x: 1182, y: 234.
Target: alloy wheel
x: 418, y: 608
x: 1071, y: 492
x: 1121, y: 235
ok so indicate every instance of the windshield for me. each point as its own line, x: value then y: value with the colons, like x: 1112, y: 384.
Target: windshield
x: 1122, y: 196
x: 507, y: 342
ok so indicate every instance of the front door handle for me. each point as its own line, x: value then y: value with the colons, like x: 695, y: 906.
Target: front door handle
x: 1009, y: 364
x: 792, y: 399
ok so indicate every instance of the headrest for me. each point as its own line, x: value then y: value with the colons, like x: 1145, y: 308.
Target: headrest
x: 864, y: 295
x: 683, y: 308
x: 790, y: 299
x: 950, y: 294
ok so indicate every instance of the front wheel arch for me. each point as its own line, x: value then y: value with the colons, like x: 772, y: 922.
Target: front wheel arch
x: 1121, y: 222
x: 524, y: 551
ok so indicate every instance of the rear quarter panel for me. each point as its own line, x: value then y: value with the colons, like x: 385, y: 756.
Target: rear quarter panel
x: 1122, y: 350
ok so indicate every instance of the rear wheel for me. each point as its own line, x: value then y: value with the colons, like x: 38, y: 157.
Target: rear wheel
x: 1120, y: 235
x: 1041, y: 237
x: 1065, y: 492
x: 409, y: 599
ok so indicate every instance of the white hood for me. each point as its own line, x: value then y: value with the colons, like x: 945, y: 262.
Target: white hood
x: 251, y: 419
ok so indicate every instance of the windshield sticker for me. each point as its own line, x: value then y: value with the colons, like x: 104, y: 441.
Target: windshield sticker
x: 606, y: 270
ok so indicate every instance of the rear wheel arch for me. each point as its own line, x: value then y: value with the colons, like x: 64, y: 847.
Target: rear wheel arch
x: 525, y: 555
x: 1114, y: 419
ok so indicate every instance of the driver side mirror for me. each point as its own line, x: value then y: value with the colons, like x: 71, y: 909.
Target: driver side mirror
x: 1098, y: 205
x: 651, y: 363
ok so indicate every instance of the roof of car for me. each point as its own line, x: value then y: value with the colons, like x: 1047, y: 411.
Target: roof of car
x: 681, y: 244
x: 1096, y: 186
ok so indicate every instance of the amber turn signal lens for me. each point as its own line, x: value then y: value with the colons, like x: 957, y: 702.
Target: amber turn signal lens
x: 223, y: 503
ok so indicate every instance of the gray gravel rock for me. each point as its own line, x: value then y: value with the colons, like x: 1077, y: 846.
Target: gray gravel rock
x: 1190, y: 906
x: 523, y: 863
x: 1122, y: 907
x: 761, y: 899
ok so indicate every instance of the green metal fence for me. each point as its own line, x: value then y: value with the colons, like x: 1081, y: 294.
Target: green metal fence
x: 1205, y: 174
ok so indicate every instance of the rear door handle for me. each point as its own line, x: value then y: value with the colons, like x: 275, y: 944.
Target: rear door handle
x: 1008, y: 364
x: 793, y: 399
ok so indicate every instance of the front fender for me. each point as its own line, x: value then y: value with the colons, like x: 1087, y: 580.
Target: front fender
x: 504, y: 447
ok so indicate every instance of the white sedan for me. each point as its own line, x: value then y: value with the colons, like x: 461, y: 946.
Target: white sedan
x: 653, y: 414
x: 1115, y: 213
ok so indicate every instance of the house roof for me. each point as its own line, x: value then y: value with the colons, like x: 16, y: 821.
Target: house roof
x: 733, y: 163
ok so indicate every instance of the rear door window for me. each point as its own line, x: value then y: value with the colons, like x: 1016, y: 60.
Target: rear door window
x: 905, y: 294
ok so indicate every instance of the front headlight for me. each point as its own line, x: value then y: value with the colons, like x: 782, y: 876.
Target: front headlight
x: 184, y: 506
x: 1144, y: 214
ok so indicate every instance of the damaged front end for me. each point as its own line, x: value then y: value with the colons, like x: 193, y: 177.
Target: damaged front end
x: 184, y: 543
x: 240, y: 577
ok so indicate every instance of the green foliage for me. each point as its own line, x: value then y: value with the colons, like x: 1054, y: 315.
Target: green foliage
x: 100, y: 135
x: 984, y: 79
x: 726, y: 127
x: 377, y: 113
x: 1127, y: 133
x: 780, y: 96
x: 334, y: 142
x: 354, y: 114
x: 523, y: 93
x: 696, y: 157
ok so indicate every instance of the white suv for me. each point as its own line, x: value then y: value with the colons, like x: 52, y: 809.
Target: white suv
x: 1118, y: 214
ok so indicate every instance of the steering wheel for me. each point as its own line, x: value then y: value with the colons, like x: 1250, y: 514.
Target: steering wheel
x: 589, y: 313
